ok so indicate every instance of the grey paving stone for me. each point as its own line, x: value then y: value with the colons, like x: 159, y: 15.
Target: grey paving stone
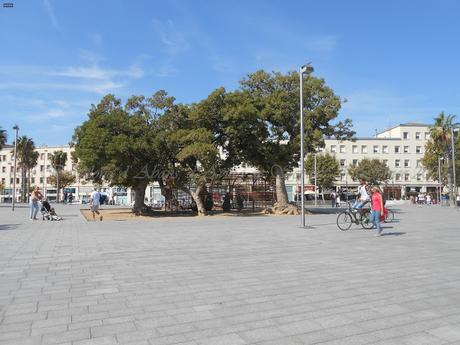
x: 229, y: 280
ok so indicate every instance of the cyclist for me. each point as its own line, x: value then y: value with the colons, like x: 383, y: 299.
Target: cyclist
x: 363, y: 195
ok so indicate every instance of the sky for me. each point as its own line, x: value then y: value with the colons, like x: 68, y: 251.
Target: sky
x: 392, y: 61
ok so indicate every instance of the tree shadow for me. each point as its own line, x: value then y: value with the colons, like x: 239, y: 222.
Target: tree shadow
x: 8, y: 226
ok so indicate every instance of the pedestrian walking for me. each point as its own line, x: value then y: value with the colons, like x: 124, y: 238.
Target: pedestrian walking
x: 337, y: 200
x: 35, y: 198
x: 428, y: 199
x: 377, y: 210
x: 333, y: 201
x: 458, y: 200
x: 95, y: 202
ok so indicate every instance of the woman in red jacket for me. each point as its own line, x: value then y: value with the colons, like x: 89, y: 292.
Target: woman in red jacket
x: 377, y: 209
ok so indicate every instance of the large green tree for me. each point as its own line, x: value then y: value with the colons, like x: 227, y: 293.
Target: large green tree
x: 3, y: 137
x: 202, y: 152
x: 327, y: 169
x: 27, y: 159
x: 58, y: 161
x: 440, y: 146
x: 374, y: 171
x: 265, y: 130
x: 118, y: 145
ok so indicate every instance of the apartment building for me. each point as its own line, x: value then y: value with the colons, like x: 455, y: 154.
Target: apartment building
x: 401, y: 148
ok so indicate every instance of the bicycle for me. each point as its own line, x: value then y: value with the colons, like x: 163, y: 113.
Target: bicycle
x: 389, y: 216
x: 354, y: 216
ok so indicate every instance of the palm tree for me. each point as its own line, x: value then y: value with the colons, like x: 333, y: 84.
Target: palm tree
x: 441, y: 135
x: 3, y: 137
x: 58, y: 160
x: 27, y: 157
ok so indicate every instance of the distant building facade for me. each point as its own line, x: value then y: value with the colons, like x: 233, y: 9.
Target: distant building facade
x: 401, y: 148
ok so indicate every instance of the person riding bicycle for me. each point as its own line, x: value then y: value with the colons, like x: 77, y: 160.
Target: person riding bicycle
x: 363, y: 195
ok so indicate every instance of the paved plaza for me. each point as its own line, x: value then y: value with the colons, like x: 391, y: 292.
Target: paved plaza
x: 229, y: 281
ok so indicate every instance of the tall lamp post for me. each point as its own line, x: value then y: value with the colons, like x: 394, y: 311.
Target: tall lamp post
x: 452, y: 130
x: 439, y: 179
x: 16, y: 128
x: 316, y: 184
x: 305, y: 69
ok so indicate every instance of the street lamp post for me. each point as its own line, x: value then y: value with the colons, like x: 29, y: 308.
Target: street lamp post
x: 305, y: 69
x: 44, y: 174
x: 316, y: 193
x: 16, y: 128
x: 452, y: 130
x: 439, y: 178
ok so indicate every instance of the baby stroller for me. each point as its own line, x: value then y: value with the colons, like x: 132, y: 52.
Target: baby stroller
x: 48, y: 213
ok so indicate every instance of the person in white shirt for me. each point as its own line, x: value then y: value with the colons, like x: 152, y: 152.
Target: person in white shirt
x: 95, y: 202
x: 364, y: 197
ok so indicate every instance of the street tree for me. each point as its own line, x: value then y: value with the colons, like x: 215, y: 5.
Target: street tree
x: 118, y: 145
x: 374, y: 171
x: 65, y: 179
x: 268, y: 134
x: 3, y: 137
x: 58, y: 161
x: 327, y: 169
x: 203, y: 149
x: 27, y: 160
x: 440, y: 146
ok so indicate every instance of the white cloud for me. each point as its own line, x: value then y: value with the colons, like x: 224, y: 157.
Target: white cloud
x: 173, y: 40
x: 51, y: 14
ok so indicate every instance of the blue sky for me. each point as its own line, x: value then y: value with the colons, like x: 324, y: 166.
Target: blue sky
x: 394, y: 61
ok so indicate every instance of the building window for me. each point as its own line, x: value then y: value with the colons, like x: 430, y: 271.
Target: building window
x: 406, y: 149
x: 397, y: 163
x: 419, y: 177
x: 3, y: 181
x: 406, y: 163
x: 385, y: 161
x: 418, y: 164
x: 363, y: 149
x: 333, y: 148
x: 406, y: 177
x: 376, y: 149
x: 342, y: 162
x: 384, y: 149
x: 342, y: 149
x: 418, y: 149
x: 355, y: 162
x: 427, y: 135
x: 354, y: 149
x: 11, y: 180
x: 42, y: 156
x: 33, y: 180
x: 397, y: 149
x: 398, y: 177
x: 3, y: 169
x: 405, y: 135
x: 418, y: 135
x: 41, y: 179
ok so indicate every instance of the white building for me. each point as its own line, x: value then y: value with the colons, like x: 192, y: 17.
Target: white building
x: 401, y: 148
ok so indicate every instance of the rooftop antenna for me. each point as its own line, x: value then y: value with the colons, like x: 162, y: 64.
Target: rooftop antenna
x: 376, y: 132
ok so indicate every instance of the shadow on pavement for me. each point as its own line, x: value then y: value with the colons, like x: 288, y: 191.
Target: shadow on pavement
x: 393, y: 233
x: 8, y: 226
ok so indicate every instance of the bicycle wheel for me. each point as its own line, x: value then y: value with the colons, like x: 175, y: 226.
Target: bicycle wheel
x: 344, y: 220
x: 366, y: 220
x: 389, y: 217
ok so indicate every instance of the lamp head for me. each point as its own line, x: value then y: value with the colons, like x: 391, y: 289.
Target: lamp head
x: 307, y: 68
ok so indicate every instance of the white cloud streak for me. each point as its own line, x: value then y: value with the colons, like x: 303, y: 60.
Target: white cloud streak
x: 49, y: 9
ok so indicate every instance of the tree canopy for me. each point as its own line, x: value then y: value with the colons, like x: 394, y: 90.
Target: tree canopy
x: 327, y: 169
x: 3, y: 137
x: 439, y: 146
x: 374, y: 171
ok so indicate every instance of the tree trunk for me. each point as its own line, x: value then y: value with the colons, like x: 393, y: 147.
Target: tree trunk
x: 281, y: 192
x: 23, y: 184
x: 57, y: 186
x: 197, y: 196
x: 167, y: 192
x: 139, y: 196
